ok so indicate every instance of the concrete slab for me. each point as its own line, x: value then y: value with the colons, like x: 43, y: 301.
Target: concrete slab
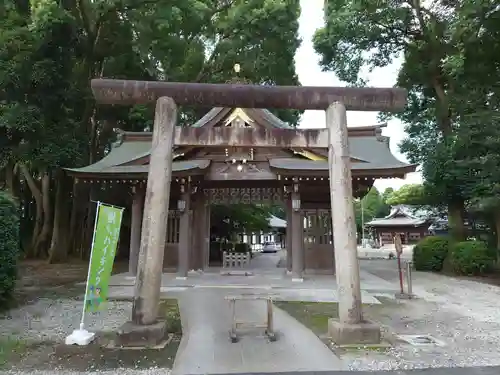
x: 206, y: 348
x: 314, y: 288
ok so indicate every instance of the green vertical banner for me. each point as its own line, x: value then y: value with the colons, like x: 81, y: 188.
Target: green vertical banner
x: 106, y: 235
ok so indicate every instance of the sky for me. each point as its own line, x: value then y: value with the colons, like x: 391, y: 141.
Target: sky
x: 310, y: 74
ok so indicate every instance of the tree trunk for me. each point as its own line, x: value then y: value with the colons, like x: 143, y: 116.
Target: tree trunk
x: 37, y: 196
x: 59, y: 247
x: 76, y: 216
x: 10, y: 182
x: 456, y: 220
x: 43, y: 241
x: 89, y: 223
x: 497, y: 230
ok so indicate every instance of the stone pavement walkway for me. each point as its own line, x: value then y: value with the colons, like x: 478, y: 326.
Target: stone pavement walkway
x: 205, y: 346
x: 430, y: 371
x: 440, y: 371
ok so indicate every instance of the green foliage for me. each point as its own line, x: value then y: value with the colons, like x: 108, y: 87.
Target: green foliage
x: 50, y: 50
x: 429, y: 253
x: 242, y: 248
x: 36, y: 82
x: 410, y: 194
x: 449, y: 54
x: 201, y: 40
x: 373, y: 205
x: 9, y: 247
x: 471, y: 258
x: 228, y: 221
x: 277, y: 210
x: 482, y: 165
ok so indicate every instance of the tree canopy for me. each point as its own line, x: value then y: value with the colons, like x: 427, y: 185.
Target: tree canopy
x: 49, y: 52
x: 228, y: 221
x: 372, y: 205
x: 449, y: 53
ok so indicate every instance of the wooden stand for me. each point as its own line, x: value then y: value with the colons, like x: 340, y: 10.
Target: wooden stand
x: 235, y: 324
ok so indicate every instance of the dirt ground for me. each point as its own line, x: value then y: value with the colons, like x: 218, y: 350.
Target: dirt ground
x: 37, y: 279
x: 56, y: 356
x: 55, y: 285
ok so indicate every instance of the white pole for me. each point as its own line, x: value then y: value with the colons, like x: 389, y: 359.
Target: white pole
x: 82, y: 321
x: 82, y: 336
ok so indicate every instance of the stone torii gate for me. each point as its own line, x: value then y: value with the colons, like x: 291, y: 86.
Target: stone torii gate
x: 351, y: 327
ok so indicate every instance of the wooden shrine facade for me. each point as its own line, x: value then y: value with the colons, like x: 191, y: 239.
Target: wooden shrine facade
x: 410, y: 228
x: 296, y: 177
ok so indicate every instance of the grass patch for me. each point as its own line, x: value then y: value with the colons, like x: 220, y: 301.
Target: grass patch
x: 314, y: 315
x: 10, y: 350
x: 169, y: 310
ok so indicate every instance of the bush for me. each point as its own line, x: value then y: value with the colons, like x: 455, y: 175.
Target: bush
x: 226, y: 246
x: 429, y: 253
x: 9, y: 247
x: 242, y: 248
x: 471, y: 258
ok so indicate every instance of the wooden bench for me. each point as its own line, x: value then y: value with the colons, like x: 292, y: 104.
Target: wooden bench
x: 235, y: 323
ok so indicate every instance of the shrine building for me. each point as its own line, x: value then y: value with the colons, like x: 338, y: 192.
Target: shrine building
x: 410, y: 228
x: 203, y: 176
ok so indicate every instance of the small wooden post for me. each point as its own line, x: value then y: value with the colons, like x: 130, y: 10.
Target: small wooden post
x: 270, y: 321
x: 399, y: 249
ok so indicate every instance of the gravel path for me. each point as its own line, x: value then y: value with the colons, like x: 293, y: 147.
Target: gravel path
x: 463, y: 314
x: 153, y: 371
x: 52, y: 320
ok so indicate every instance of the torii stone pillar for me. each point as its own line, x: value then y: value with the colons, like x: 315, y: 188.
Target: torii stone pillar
x: 350, y: 328
x: 145, y: 328
x: 199, y: 232
x: 135, y: 228
x: 289, y: 229
x: 297, y: 226
x: 184, y: 233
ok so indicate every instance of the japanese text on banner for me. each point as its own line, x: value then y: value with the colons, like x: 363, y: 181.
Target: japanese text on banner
x: 106, y: 236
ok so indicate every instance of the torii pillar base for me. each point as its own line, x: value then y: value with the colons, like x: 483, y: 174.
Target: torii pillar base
x: 364, y: 333
x: 141, y: 336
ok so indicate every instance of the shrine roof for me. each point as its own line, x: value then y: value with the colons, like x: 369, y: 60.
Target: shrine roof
x: 216, y: 114
x: 125, y: 170
x: 121, y: 153
x: 367, y: 154
x: 369, y: 150
x: 396, y: 222
x: 276, y: 222
x: 398, y: 218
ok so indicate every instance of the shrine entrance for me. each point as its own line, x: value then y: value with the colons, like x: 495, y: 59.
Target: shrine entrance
x: 240, y: 225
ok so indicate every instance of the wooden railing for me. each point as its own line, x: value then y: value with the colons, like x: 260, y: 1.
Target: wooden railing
x: 235, y: 260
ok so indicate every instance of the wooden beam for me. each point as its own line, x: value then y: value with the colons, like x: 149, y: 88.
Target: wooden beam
x: 113, y: 91
x: 249, y: 137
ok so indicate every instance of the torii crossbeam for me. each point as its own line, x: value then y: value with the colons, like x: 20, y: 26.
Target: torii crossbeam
x: 110, y: 91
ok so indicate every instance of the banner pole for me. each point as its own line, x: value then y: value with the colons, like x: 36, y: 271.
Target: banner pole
x: 82, y: 321
x: 81, y: 336
x: 109, y: 205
